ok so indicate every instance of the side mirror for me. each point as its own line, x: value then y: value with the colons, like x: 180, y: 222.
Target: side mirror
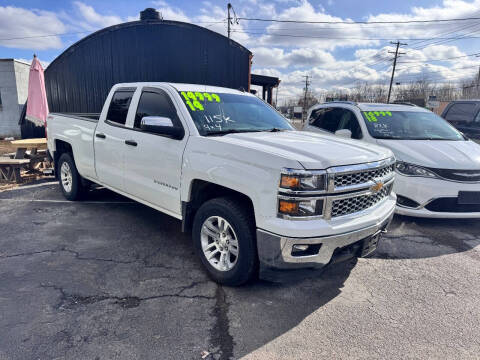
x: 344, y: 133
x: 161, y: 125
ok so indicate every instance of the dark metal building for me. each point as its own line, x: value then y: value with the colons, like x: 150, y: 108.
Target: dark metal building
x: 150, y: 49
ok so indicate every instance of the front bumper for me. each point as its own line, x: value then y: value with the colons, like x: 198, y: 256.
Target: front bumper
x: 278, y: 252
x: 425, y: 190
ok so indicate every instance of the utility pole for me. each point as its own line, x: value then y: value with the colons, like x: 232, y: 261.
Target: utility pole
x: 398, y: 43
x: 305, y: 98
x: 229, y: 19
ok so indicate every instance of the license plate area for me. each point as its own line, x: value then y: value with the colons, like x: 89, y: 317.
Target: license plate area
x: 468, y: 198
x: 370, y: 244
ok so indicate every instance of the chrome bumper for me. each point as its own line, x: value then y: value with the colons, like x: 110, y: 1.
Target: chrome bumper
x: 278, y: 252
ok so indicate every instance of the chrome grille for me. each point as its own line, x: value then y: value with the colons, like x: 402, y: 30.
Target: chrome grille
x: 360, y: 177
x: 358, y: 203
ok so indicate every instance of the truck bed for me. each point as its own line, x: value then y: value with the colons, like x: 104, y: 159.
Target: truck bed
x: 77, y: 130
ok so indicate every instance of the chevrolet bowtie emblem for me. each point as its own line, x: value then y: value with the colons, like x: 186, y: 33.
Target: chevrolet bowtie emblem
x: 377, y: 187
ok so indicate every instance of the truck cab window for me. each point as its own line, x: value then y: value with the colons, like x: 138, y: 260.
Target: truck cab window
x: 155, y: 103
x: 117, y: 112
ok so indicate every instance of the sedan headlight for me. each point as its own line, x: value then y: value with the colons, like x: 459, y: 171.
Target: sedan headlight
x: 407, y: 169
x: 300, y: 180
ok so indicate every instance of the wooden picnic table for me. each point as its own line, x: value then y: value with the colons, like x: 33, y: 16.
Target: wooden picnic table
x: 10, y: 168
x: 28, y: 144
x: 30, y: 155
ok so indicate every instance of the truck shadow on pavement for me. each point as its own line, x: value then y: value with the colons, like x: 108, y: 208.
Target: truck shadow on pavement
x: 107, y: 277
x: 416, y: 238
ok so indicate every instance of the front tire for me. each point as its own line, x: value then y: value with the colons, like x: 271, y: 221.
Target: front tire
x: 224, y: 238
x: 69, y: 178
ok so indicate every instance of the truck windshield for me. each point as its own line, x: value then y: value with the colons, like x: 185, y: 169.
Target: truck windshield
x: 409, y: 125
x: 222, y: 113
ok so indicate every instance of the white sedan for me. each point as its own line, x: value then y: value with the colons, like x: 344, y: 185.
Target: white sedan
x: 438, y: 168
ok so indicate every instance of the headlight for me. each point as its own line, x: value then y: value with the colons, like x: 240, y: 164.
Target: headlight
x: 299, y: 180
x: 413, y: 170
x: 300, y: 207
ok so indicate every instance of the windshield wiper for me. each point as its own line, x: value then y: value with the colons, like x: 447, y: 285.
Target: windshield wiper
x: 275, y: 130
x: 231, y: 131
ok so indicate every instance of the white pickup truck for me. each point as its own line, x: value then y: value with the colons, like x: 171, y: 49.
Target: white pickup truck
x: 255, y: 193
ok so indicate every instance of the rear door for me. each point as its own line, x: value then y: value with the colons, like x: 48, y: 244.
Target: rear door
x: 109, y: 140
x: 153, y: 162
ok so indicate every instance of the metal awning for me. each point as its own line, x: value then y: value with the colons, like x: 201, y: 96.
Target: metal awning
x: 267, y: 83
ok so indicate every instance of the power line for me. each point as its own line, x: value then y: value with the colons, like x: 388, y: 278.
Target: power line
x: 438, y: 70
x: 343, y: 38
x: 86, y: 32
x: 358, y: 22
x: 442, y: 59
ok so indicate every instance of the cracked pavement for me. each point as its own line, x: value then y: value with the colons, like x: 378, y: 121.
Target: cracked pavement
x: 108, y: 278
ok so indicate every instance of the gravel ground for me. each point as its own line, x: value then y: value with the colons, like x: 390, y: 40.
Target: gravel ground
x: 107, y: 278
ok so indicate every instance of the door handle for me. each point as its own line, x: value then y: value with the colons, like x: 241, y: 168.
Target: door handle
x: 100, y: 135
x: 131, y: 142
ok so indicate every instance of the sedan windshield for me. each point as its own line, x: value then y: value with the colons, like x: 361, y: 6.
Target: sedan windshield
x: 221, y: 113
x: 409, y: 125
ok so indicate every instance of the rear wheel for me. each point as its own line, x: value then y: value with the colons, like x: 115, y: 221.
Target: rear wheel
x: 224, y: 238
x: 69, y: 178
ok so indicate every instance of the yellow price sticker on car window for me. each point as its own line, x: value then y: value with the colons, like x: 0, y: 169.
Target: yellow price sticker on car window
x: 373, y: 116
x: 194, y: 99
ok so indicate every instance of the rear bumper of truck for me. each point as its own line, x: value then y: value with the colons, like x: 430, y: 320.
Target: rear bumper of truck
x: 279, y: 254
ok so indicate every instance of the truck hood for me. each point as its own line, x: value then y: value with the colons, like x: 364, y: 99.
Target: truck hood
x: 440, y: 154
x: 311, y: 150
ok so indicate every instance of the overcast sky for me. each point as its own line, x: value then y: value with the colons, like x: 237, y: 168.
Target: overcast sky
x: 334, y: 55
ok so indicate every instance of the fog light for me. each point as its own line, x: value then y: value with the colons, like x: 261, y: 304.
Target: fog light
x: 305, y: 250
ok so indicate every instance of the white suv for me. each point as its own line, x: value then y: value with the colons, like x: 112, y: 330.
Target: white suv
x: 438, y: 168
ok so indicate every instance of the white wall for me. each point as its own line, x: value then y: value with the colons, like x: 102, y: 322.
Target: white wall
x: 14, y: 91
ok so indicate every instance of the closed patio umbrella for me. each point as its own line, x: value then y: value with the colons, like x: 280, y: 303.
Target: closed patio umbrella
x: 37, y: 106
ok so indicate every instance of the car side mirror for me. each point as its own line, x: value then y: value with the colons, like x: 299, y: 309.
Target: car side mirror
x: 161, y: 125
x: 344, y: 133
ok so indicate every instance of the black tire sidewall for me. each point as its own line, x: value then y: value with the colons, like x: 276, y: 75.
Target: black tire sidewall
x: 231, y: 211
x: 75, y: 193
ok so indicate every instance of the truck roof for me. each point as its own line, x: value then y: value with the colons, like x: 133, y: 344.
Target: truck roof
x: 188, y: 87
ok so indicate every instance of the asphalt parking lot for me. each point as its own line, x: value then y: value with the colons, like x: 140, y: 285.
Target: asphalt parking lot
x: 108, y: 278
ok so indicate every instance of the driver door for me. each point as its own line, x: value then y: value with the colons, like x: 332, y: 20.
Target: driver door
x: 153, y: 162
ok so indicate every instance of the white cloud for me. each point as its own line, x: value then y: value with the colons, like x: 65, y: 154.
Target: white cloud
x: 91, y: 20
x: 24, y: 26
x: 278, y: 58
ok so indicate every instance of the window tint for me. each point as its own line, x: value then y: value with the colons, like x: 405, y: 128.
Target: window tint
x: 333, y: 119
x: 349, y: 121
x: 155, y: 103
x: 462, y: 112
x: 326, y: 119
x: 477, y: 118
x: 117, y: 112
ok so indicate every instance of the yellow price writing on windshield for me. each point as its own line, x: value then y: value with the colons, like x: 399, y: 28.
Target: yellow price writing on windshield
x: 373, y: 116
x: 194, y: 99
